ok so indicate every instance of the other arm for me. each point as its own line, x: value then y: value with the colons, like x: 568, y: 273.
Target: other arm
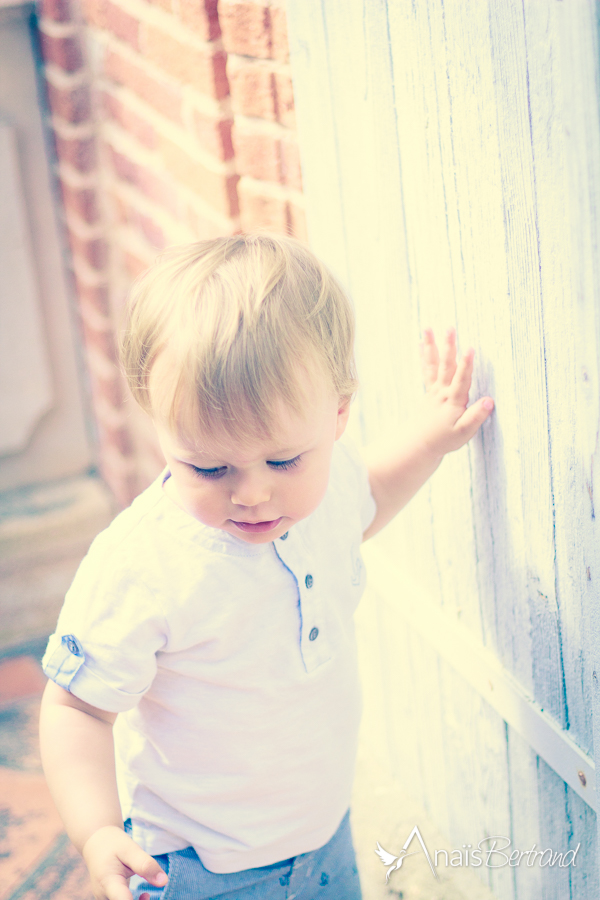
x: 78, y: 759
x: 397, y: 472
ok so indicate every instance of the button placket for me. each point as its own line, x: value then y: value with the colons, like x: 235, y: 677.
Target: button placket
x: 313, y: 647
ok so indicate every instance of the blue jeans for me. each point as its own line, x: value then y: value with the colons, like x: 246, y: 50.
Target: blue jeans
x: 329, y: 873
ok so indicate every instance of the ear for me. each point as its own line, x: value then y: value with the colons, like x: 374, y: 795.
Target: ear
x: 342, y: 416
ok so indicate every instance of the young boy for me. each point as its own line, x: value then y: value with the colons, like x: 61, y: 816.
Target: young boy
x: 215, y: 614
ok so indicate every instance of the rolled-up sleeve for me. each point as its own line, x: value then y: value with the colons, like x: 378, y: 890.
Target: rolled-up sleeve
x: 108, y: 633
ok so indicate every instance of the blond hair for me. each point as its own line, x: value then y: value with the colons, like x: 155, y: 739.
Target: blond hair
x: 240, y: 319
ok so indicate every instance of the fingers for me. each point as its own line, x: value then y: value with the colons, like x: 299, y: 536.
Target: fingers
x: 115, y: 888
x: 112, y: 857
x: 429, y: 358
x: 461, y: 383
x: 143, y: 864
x: 448, y: 361
x: 474, y: 417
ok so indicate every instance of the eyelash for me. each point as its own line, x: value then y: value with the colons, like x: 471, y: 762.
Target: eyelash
x: 219, y: 472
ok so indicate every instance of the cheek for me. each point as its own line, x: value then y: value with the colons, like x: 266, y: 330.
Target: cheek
x: 310, y: 490
x: 208, y: 497
x: 197, y: 496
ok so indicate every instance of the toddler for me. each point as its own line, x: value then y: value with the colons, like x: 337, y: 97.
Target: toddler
x: 207, y: 641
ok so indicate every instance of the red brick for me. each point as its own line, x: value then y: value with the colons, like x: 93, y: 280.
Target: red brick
x: 133, y: 264
x: 217, y: 189
x: 120, y: 208
x: 204, y: 229
x: 284, y: 100
x: 95, y: 297
x: 105, y: 375
x: 64, y: 52
x: 57, y: 10
x: 94, y: 320
x: 162, y: 96
x: 125, y: 168
x: 113, y: 427
x: 157, y: 189
x: 133, y: 124
x: 258, y: 89
x: 202, y: 17
x: 82, y: 201
x: 147, y: 227
x: 291, y: 172
x: 252, y: 89
x: 297, y: 218
x: 201, y: 68
x: 267, y: 158
x: 105, y: 389
x: 152, y: 232
x: 122, y: 25
x: 246, y: 28
x: 279, y: 36
x: 78, y: 152
x: 214, y: 135
x: 72, y: 104
x: 104, y: 342
x: 118, y: 475
x: 94, y: 12
x: 262, y: 211
x: 167, y: 5
x: 93, y: 250
x: 148, y: 182
x: 111, y: 433
x: 258, y: 155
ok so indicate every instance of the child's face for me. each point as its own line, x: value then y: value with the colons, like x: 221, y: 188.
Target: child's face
x: 259, y: 490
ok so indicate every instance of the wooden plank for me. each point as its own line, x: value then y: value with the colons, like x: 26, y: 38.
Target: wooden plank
x: 581, y: 829
x: 483, y: 671
x: 475, y: 748
x: 316, y: 122
x: 525, y: 813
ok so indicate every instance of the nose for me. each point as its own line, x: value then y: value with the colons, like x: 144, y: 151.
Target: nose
x: 250, y: 490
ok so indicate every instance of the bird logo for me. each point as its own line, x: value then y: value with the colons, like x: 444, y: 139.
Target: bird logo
x: 395, y: 862
x: 388, y: 858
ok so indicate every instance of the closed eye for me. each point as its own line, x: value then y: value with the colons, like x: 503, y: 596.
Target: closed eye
x: 219, y: 471
x: 284, y: 463
x: 209, y: 473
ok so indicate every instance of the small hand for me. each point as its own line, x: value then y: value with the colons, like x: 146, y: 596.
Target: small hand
x: 446, y: 422
x: 112, y: 857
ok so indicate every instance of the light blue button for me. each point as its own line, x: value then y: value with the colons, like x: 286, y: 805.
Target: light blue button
x: 72, y: 644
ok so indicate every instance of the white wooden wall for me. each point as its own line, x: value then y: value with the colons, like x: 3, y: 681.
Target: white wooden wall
x: 451, y: 162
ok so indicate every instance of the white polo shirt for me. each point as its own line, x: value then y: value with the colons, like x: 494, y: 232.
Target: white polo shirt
x: 234, y: 669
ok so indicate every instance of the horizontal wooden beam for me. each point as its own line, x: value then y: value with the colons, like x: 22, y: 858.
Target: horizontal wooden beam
x: 480, y: 668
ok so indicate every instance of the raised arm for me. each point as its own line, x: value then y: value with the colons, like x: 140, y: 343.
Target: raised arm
x: 445, y: 423
x: 79, y: 763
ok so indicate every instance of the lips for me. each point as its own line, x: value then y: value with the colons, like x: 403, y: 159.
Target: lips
x: 257, y: 527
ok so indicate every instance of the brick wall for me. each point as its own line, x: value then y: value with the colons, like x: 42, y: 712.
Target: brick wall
x: 173, y: 121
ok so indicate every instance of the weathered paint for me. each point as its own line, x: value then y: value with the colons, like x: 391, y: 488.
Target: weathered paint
x: 450, y: 158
